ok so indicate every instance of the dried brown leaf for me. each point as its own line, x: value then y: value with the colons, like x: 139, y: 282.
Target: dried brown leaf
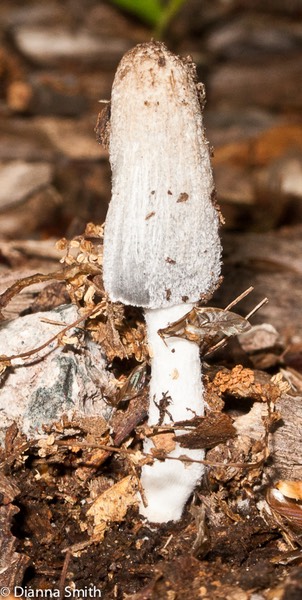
x: 206, y: 326
x: 112, y: 505
x: 208, y: 432
x: 107, y: 335
x: 8, y: 489
x: 12, y: 564
x: 102, y: 128
x: 164, y: 442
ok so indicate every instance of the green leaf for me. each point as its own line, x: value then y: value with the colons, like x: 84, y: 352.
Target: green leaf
x: 149, y: 11
x: 167, y: 14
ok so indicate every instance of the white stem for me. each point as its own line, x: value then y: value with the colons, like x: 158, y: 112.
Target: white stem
x: 175, y: 370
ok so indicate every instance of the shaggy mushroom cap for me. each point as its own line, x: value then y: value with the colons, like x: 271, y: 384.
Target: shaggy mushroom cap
x: 161, y: 245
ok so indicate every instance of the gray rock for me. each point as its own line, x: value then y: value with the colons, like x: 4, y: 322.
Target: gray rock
x: 249, y: 36
x: 21, y: 139
x: 56, y: 94
x: 19, y: 179
x: 60, y: 380
x: 49, y: 45
x: 77, y: 143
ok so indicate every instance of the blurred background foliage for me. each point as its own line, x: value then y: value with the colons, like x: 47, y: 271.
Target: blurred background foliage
x: 156, y: 13
x: 58, y: 58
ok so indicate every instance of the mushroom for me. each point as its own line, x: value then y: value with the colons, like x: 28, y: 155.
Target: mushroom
x: 162, y: 249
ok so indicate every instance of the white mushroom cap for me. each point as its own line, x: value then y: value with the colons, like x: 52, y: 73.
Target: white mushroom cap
x: 161, y: 245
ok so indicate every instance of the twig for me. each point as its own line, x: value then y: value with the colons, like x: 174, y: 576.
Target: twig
x: 63, y: 574
x: 182, y: 458
x: 66, y: 273
x: 223, y: 342
x: 29, y: 353
x: 239, y: 298
x: 254, y: 310
x: 8, y: 460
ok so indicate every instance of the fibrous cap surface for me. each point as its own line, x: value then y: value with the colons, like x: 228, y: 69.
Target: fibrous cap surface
x: 161, y: 242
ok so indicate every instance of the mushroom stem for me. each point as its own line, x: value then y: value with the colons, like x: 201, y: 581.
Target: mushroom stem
x: 175, y: 373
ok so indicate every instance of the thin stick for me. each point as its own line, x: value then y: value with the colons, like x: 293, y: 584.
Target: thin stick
x: 63, y: 574
x: 67, y: 273
x: 182, y: 458
x: 262, y: 303
x: 253, y: 311
x: 239, y: 298
x: 29, y: 353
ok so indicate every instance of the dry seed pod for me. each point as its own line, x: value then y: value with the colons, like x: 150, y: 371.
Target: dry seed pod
x: 161, y: 243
